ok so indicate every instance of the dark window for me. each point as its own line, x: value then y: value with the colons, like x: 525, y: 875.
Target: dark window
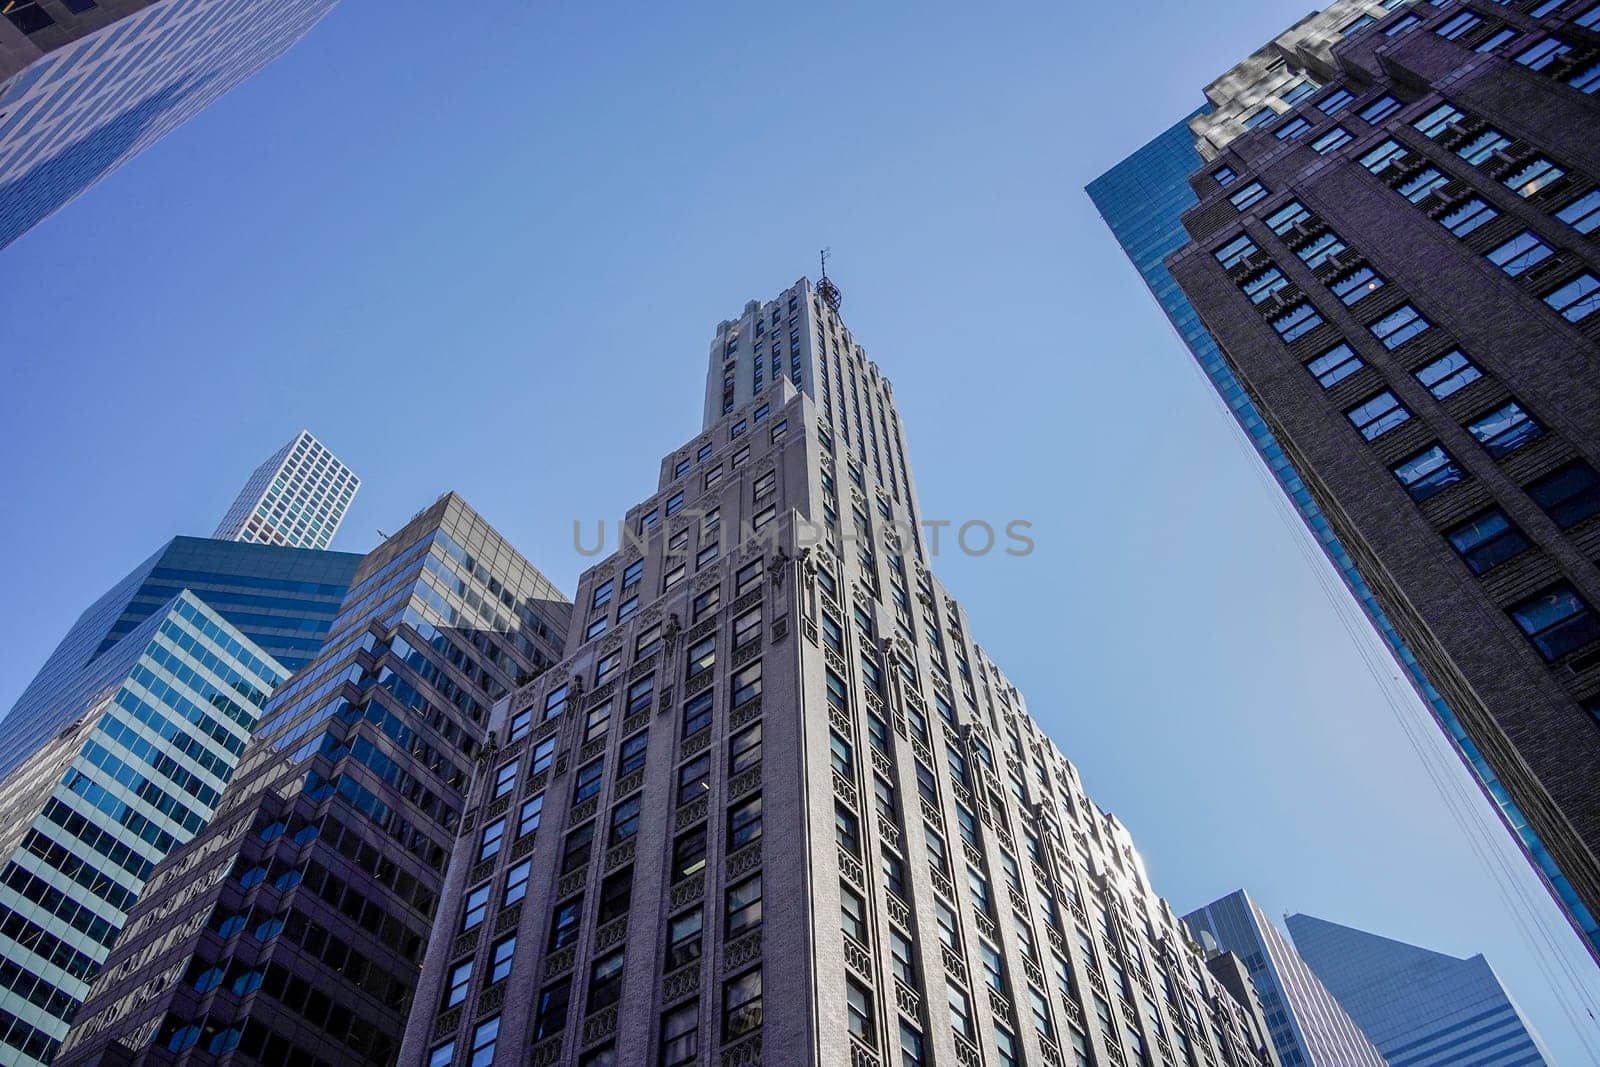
x: 689, y: 853
x: 684, y: 938
x: 743, y: 906
x: 616, y: 892
x: 1505, y: 429
x: 697, y: 713
x: 694, y: 779
x: 1577, y: 299
x: 1458, y: 24
x: 1583, y: 214
x: 565, y: 922
x: 1568, y: 494
x: 1486, y: 539
x: 589, y: 779
x: 746, y: 685
x: 641, y: 693
x: 744, y: 822
x: 575, y: 851
x: 1467, y: 216
x: 859, y: 1017
x: 633, y: 752
x: 552, y: 1016
x: 1358, y: 284
x: 1399, y: 326
x: 1520, y: 254
x: 1428, y: 472
x: 744, y: 750
x: 1557, y: 621
x: 1448, y: 374
x: 847, y: 829
x: 625, y: 820
x: 1296, y: 322
x: 702, y: 657
x: 1377, y: 415
x: 1334, y: 365
x: 741, y: 1005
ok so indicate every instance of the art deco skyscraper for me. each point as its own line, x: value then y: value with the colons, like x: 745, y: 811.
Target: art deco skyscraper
x: 86, y: 85
x: 1388, y: 244
x: 297, y: 497
x: 776, y: 807
x: 1308, y: 1026
x: 291, y: 929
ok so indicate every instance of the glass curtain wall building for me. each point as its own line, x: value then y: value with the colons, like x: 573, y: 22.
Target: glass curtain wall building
x: 297, y: 498
x: 152, y: 741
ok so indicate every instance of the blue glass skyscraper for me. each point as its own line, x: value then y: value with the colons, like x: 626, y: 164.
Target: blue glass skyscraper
x: 282, y: 599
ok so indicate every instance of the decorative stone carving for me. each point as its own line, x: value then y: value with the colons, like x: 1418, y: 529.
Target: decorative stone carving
x: 741, y: 951
x: 669, y: 636
x: 573, y: 882
x: 687, y: 891
x: 582, y: 810
x: 508, y: 918
x: 743, y: 782
x: 612, y: 932
x: 620, y: 854
x: 560, y: 961
x: 746, y: 1053
x: 682, y: 982
x: 745, y: 860
x: 601, y: 1024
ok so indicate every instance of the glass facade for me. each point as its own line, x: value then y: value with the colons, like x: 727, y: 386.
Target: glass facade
x: 297, y: 498
x: 156, y: 731
x: 282, y: 599
x: 1142, y: 200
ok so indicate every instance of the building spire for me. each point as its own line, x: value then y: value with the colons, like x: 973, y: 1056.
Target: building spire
x: 825, y: 288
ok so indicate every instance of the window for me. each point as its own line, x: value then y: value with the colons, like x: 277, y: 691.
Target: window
x: 516, y: 883
x: 1418, y: 188
x: 555, y: 702
x: 960, y: 1011
x: 746, y: 685
x: 1404, y: 24
x: 1250, y: 194
x: 641, y: 694
x: 1380, y: 109
x: 1467, y: 216
x: 1298, y: 91
x: 1332, y: 139
x: 1334, y: 365
x: 632, y: 755
x: 675, y: 503
x: 596, y: 628
x: 702, y: 657
x: 1041, y: 1014
x: 1435, y: 122
x: 505, y: 780
x: 459, y: 982
x: 1287, y: 217
x: 859, y: 1017
x: 1448, y: 374
x: 1486, y: 539
x: 1294, y: 129
x: 616, y: 892
x: 552, y: 1016
x: 743, y: 906
x: 744, y: 822
x: 680, y: 1036
x: 1483, y: 146
x: 853, y: 914
x: 1556, y: 621
x: 1361, y: 282
x: 500, y: 959
x: 1520, y: 254
x: 1495, y: 40
x: 1236, y: 251
x: 484, y: 1038
x: 529, y: 814
x: 747, y: 628
x: 1259, y: 118
x: 894, y: 874
x: 1335, y: 102
x: 1505, y: 429
x: 912, y: 1051
x: 1569, y: 494
x: 694, y: 779
x: 1533, y: 177
x: 689, y: 853
x: 1317, y: 251
x: 744, y: 750
x: 1385, y: 155
x: 476, y: 907
x: 493, y: 836
x: 575, y: 850
x: 673, y: 577
x: 602, y: 595
x: 1263, y: 285
x: 847, y: 829
x: 832, y: 633
x: 949, y: 926
x: 648, y: 641
x: 624, y: 820
x: 1543, y: 53
x: 741, y: 1005
x: 684, y: 938
x: 605, y: 980
x: 1583, y: 214
x: 1399, y: 326
x: 707, y: 602
x: 1295, y: 323
x: 902, y: 958
x: 1576, y: 300
x: 588, y: 780
x: 1457, y: 25
x: 605, y: 668
x: 1006, y: 1045
x: 1428, y: 472
x: 1224, y: 175
x: 632, y: 573
x: 697, y: 713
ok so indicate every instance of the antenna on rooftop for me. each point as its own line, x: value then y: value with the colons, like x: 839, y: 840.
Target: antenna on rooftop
x: 825, y: 288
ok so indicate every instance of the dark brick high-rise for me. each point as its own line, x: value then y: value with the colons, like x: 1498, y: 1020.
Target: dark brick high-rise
x: 1394, y: 247
x: 291, y: 929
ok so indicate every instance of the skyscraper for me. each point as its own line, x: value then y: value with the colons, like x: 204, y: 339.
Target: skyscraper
x: 1421, y: 1008
x: 1308, y: 1026
x: 1388, y: 250
x: 153, y: 735
x: 282, y: 599
x: 776, y: 807
x: 86, y: 85
x: 292, y: 928
x: 296, y: 498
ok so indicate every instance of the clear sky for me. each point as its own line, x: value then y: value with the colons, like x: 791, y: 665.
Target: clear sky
x: 485, y: 246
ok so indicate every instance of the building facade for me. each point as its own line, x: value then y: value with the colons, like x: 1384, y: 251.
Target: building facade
x: 86, y: 85
x: 292, y: 928
x: 296, y: 498
x: 1308, y: 1026
x: 1385, y: 247
x: 151, y: 742
x: 1421, y: 1008
x: 768, y: 699
x: 282, y: 599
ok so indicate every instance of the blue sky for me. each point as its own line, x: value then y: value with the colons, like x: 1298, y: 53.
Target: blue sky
x: 484, y: 247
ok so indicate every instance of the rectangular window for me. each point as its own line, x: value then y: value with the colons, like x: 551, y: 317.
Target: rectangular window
x: 1399, y: 326
x: 1380, y: 109
x: 1294, y: 129
x: 689, y: 853
x: 606, y: 668
x: 624, y: 820
x: 1457, y: 25
x: 516, y: 883
x: 1421, y: 185
x: 743, y: 906
x: 493, y: 836
x: 1495, y: 40
x: 1576, y: 300
x: 741, y: 1005
x: 1436, y: 121
x: 1543, y: 53
x: 1428, y: 472
x: 647, y: 643
x: 1334, y: 365
x: 960, y: 1011
x: 1448, y: 374
x: 485, y: 1036
x: 459, y: 983
x: 1557, y: 621
x: 1261, y: 286
x: 505, y: 780
x: 1505, y: 429
x: 673, y: 577
x: 1287, y: 217
x: 1296, y: 322
x: 589, y: 779
x: 641, y: 694
x: 684, y: 938
x: 575, y: 850
x: 744, y: 822
x: 859, y: 1017
x: 602, y: 595
x: 1335, y: 102
x: 1520, y: 254
x: 1404, y: 24
x: 1358, y: 284
x: 1224, y: 175
x: 500, y: 959
x: 1583, y: 214
x: 1330, y: 140
x: 1250, y: 194
x: 1569, y: 494
x: 1297, y: 91
x: 1259, y: 118
x: 1467, y: 216
x: 694, y: 779
x: 565, y: 922
x: 1533, y: 177
x: 633, y: 753
x: 853, y: 914
x: 1385, y: 156
x: 616, y: 893
x: 475, y: 908
x: 632, y: 573
x: 1483, y: 146
x: 529, y: 814
x: 544, y: 753
x: 744, y: 750
x: 1486, y: 539
x: 1320, y: 248
x: 605, y: 980
x: 555, y: 702
x: 680, y: 1036
x: 706, y: 603
x: 847, y: 829
x: 552, y: 1016
x: 1236, y: 251
x: 702, y: 657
